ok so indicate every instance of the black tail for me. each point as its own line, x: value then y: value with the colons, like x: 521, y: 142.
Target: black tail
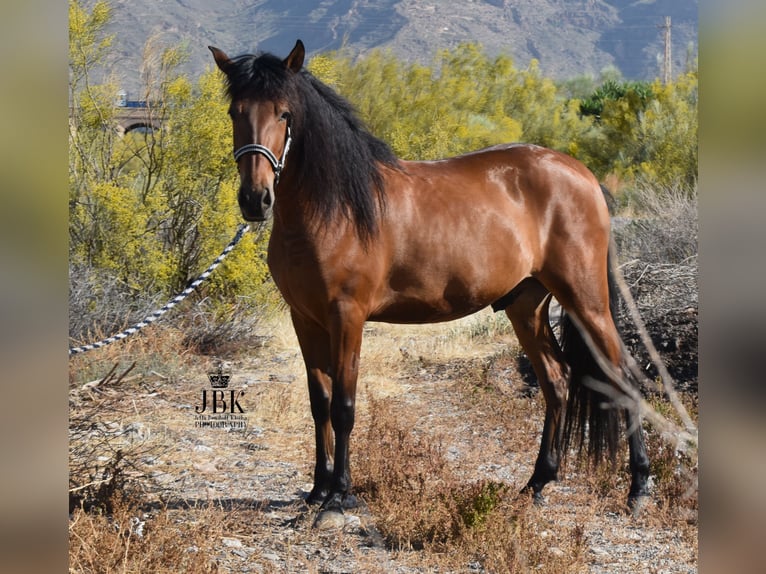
x: 591, y: 416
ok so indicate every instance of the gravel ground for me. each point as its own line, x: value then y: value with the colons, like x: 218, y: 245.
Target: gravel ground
x: 261, y: 474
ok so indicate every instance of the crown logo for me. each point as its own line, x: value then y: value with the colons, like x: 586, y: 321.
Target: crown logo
x: 219, y: 379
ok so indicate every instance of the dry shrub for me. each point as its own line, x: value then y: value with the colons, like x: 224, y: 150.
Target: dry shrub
x: 482, y: 327
x: 675, y: 481
x: 158, y: 348
x: 130, y: 540
x: 226, y: 328
x: 673, y: 475
x: 662, y: 227
x: 657, y: 248
x: 663, y: 224
x: 402, y: 478
x: 108, y: 441
x: 674, y: 470
x: 106, y: 448
x: 101, y: 305
x: 109, y: 479
x: 420, y: 502
x: 517, y: 537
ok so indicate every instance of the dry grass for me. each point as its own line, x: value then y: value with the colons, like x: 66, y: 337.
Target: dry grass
x: 456, y: 513
x: 421, y: 503
x: 447, y: 433
x: 130, y: 540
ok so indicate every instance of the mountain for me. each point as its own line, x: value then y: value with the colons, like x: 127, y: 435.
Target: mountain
x: 569, y: 38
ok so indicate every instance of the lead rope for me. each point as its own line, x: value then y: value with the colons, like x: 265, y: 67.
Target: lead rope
x: 172, y: 303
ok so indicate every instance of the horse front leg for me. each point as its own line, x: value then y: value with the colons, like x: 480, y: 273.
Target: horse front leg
x: 347, y: 322
x: 315, y: 347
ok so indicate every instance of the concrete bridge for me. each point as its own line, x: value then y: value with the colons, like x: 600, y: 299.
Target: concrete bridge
x: 136, y: 114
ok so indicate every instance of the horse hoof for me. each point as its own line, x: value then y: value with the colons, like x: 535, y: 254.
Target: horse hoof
x: 637, y: 505
x: 330, y: 520
x: 349, y: 501
x: 314, y: 498
x: 537, y: 496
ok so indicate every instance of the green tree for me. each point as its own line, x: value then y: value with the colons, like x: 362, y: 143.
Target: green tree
x: 644, y: 130
x: 668, y: 129
x: 616, y: 108
x: 466, y: 100
x: 151, y: 209
x: 638, y: 94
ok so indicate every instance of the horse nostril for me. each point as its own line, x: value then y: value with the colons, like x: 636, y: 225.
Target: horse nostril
x: 268, y: 199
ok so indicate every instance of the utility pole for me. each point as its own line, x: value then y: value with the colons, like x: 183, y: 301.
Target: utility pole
x: 666, y: 71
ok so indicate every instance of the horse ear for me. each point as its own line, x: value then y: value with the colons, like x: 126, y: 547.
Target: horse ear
x: 221, y: 59
x: 294, y: 61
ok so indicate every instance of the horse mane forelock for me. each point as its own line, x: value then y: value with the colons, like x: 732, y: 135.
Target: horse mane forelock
x: 338, y: 159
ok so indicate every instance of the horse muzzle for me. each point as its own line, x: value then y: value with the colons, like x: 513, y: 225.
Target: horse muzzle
x: 255, y: 204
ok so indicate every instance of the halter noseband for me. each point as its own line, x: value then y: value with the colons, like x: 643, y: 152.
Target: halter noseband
x: 276, y: 164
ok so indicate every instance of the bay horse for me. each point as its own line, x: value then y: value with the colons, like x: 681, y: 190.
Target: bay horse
x: 359, y: 235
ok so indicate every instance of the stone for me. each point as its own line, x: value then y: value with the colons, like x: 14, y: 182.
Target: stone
x: 330, y: 520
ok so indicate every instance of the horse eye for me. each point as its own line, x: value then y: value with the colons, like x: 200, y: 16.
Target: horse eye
x: 284, y: 117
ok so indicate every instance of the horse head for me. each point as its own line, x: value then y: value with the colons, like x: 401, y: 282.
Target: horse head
x: 261, y: 120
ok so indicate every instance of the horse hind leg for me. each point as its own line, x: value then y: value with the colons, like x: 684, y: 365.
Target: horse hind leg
x: 586, y: 405
x: 528, y: 314
x: 639, y: 463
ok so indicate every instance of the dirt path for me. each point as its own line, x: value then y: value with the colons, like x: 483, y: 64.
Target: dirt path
x: 446, y: 391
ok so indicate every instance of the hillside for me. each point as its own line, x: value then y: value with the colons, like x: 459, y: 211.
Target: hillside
x: 568, y: 37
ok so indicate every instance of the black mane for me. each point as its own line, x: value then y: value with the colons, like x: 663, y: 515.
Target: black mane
x: 337, y: 158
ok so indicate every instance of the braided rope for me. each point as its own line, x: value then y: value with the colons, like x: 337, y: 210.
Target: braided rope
x: 172, y: 303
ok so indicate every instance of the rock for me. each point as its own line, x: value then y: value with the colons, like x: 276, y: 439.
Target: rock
x: 352, y: 521
x: 232, y: 542
x: 137, y: 432
x: 556, y: 551
x: 206, y: 467
x: 330, y: 520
